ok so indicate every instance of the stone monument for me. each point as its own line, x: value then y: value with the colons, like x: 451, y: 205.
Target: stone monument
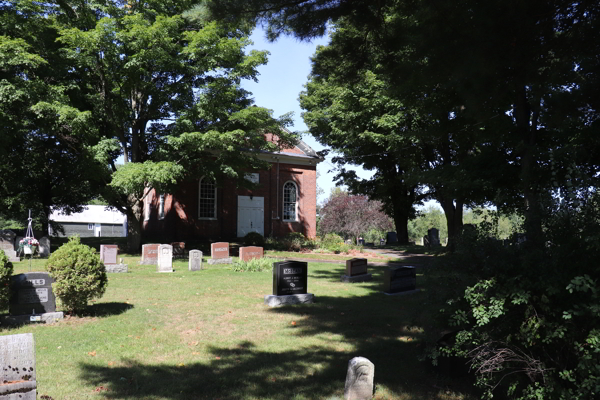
x: 250, y: 252
x: 289, y: 284
x: 7, y: 243
x: 434, y: 237
x: 400, y: 280
x: 356, y: 271
x: 149, y: 254
x: 359, y: 379
x: 32, y: 299
x: 165, y: 258
x: 108, y: 255
x: 44, y: 249
x: 219, y: 253
x: 391, y: 238
x: 195, y: 261
x: 17, y: 367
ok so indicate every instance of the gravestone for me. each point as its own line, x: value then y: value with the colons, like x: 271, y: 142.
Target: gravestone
x: 356, y: 271
x: 17, y: 367
x: 400, y: 280
x: 426, y: 241
x: 108, y: 255
x: 44, y: 249
x: 391, y: 238
x: 7, y: 243
x: 434, y: 237
x: 17, y: 241
x: 195, y: 262
x: 165, y: 258
x: 219, y: 253
x: 150, y: 254
x: 250, y: 252
x: 289, y: 284
x: 178, y: 249
x: 31, y: 300
x: 359, y: 379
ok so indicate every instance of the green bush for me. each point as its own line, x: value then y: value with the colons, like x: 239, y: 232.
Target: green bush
x: 254, y: 265
x: 6, y: 270
x: 294, y: 241
x: 254, y: 239
x: 331, y: 239
x: 78, y: 273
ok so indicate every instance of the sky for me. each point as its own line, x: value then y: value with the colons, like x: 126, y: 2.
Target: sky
x: 280, y: 82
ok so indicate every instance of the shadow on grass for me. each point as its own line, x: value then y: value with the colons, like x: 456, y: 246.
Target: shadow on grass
x: 106, y: 309
x: 388, y: 330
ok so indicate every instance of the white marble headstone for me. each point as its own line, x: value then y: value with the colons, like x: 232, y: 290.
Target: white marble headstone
x: 165, y: 258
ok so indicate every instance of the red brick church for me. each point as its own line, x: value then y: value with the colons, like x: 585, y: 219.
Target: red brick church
x: 284, y: 201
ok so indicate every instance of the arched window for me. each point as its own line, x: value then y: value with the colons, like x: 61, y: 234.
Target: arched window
x: 290, y: 201
x: 207, y: 199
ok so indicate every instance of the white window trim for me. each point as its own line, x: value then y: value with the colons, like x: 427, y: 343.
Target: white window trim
x: 161, y: 206
x: 215, y: 207
x: 296, y: 206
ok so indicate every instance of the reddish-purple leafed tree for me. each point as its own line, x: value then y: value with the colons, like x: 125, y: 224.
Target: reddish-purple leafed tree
x: 352, y: 215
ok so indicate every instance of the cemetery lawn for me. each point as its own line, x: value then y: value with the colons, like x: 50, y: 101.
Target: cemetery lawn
x: 208, y: 335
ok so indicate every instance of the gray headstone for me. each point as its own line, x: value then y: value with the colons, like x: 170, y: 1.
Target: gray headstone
x: 359, y: 379
x: 195, y: 262
x: 434, y: 237
x: 17, y: 367
x: 7, y: 243
x: 44, y: 250
x: 31, y: 293
x: 391, y: 238
x: 165, y: 258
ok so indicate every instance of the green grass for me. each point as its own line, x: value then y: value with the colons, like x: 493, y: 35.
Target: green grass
x: 208, y: 335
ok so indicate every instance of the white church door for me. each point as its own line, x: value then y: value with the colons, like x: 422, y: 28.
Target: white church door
x: 251, y: 215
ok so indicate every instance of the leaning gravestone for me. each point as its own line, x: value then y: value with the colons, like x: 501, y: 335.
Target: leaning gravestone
x: 149, y: 254
x: 32, y: 299
x: 195, y: 262
x: 356, y: 271
x: 250, y: 252
x: 400, y: 280
x: 219, y: 253
x: 7, y: 243
x: 290, y: 280
x: 44, y: 249
x: 108, y: 255
x: 359, y: 379
x: 165, y: 258
x: 17, y: 367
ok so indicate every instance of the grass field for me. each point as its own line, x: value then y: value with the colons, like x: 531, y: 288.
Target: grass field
x: 208, y: 335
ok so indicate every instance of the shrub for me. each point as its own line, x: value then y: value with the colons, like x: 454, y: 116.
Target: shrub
x: 331, y: 239
x: 6, y: 270
x: 254, y: 239
x: 78, y: 273
x: 254, y: 265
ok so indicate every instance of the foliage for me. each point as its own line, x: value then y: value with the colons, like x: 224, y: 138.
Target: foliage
x: 352, y: 215
x: 79, y: 274
x: 6, y: 270
x: 254, y: 265
x: 530, y: 321
x: 430, y: 217
x: 331, y: 239
x: 293, y: 241
x: 254, y: 239
x: 374, y: 236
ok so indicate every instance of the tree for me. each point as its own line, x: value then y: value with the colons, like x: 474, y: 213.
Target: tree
x: 352, y: 215
x: 161, y: 88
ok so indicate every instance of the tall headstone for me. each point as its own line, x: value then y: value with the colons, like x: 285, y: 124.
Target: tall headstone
x: 290, y: 280
x: 17, y: 367
x: 219, y: 253
x: 195, y: 262
x: 7, y: 243
x: 250, y: 252
x: 44, y: 249
x: 359, y: 379
x: 356, y: 271
x: 391, y: 238
x: 399, y: 280
x: 165, y: 258
x: 150, y: 254
x: 434, y: 237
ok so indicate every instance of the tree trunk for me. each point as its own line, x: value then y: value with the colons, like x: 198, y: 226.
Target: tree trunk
x: 402, y: 202
x: 453, y: 210
x: 134, y: 231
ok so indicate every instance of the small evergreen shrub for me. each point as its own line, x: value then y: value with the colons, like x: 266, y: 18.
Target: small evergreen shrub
x: 254, y: 239
x: 79, y: 274
x: 254, y: 265
x: 331, y: 239
x: 6, y: 270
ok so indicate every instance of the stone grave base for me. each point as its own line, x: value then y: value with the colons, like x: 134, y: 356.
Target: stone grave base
x: 213, y: 261
x: 22, y: 390
x: 276, y: 301
x: 150, y: 261
x: 115, y: 268
x: 357, y: 278
x: 48, y: 318
x: 402, y: 293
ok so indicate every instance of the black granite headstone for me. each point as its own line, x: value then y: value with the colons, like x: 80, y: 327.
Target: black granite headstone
x: 391, y: 238
x: 290, y: 277
x: 399, y: 279
x: 31, y: 294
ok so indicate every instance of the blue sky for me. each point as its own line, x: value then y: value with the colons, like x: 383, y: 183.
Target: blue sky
x: 280, y: 82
